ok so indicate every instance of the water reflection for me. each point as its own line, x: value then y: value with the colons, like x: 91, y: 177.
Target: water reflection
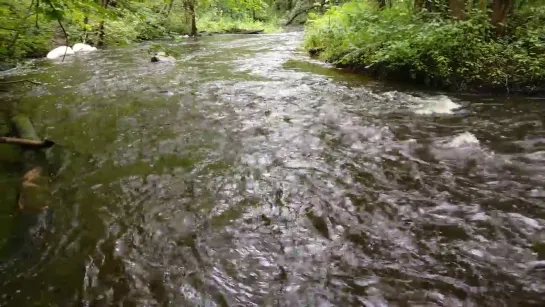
x: 248, y: 175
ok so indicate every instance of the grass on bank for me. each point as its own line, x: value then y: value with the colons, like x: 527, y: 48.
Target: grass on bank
x: 398, y: 43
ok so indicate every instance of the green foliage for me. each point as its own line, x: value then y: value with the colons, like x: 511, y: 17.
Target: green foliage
x: 428, y: 48
x: 18, y: 37
x: 211, y: 23
x: 32, y: 27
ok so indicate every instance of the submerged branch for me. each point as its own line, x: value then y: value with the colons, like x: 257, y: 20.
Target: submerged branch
x: 18, y: 81
x: 26, y: 142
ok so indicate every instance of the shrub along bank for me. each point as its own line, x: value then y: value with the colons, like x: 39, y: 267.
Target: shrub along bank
x: 469, y: 49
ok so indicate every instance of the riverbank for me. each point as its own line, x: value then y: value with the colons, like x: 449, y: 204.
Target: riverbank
x: 425, y: 48
x: 31, y: 30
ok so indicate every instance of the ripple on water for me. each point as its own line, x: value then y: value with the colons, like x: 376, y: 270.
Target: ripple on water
x: 234, y: 178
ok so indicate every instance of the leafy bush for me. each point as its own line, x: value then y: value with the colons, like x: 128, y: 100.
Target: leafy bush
x: 425, y: 48
x: 19, y: 37
x: 214, y: 23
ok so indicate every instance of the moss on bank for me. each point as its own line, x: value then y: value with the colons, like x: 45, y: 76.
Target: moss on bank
x: 431, y: 49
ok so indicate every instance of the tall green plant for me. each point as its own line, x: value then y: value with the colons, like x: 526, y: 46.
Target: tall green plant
x: 431, y: 48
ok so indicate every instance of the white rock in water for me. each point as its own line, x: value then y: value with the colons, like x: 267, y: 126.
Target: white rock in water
x: 60, y: 52
x: 83, y: 47
x: 436, y: 105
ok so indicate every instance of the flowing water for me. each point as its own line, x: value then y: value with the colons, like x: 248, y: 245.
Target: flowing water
x: 247, y: 174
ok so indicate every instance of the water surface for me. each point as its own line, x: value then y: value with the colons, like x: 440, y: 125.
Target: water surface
x: 247, y: 174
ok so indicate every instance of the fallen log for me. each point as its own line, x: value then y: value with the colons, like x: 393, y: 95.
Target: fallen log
x: 251, y: 31
x: 24, y: 127
x: 32, y: 219
x: 34, y: 191
x: 8, y: 154
x: 240, y: 31
x: 26, y: 142
x: 19, y: 81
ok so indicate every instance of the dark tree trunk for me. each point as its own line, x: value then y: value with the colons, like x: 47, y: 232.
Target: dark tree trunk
x: 457, y: 9
x: 170, y: 5
x: 85, y: 33
x: 381, y: 4
x: 193, y: 18
x: 424, y: 4
x: 500, y: 13
x: 483, y: 4
x: 100, y: 42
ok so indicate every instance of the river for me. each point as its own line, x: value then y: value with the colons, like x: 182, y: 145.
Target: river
x: 247, y: 174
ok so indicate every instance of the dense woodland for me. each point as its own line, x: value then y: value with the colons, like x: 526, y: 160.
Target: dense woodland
x: 29, y: 28
x: 455, y: 44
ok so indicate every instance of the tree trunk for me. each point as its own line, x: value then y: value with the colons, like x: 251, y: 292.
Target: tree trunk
x: 85, y: 33
x: 483, y: 4
x: 457, y: 9
x: 101, y: 26
x: 500, y: 13
x: 170, y: 5
x: 191, y: 6
x: 381, y: 4
x: 419, y: 5
x: 100, y: 42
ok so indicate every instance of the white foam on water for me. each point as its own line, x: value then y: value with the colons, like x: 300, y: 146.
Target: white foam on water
x: 435, y: 105
x: 464, y: 139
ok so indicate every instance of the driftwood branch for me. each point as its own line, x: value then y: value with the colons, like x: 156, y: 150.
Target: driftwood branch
x: 18, y: 81
x: 27, y: 142
x: 241, y: 31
